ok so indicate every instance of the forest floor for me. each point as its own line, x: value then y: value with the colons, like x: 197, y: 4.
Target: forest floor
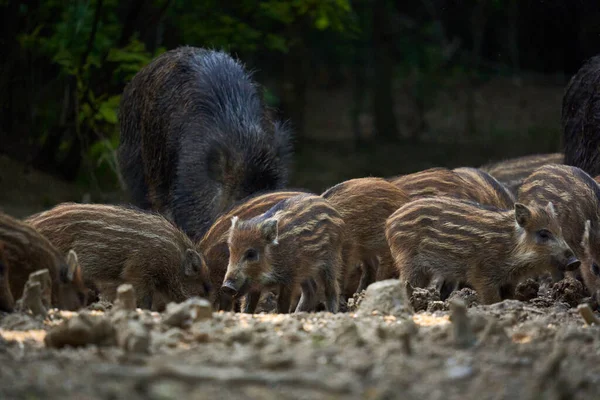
x: 532, y: 349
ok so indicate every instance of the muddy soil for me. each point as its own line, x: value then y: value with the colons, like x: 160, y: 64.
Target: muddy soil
x: 380, y: 349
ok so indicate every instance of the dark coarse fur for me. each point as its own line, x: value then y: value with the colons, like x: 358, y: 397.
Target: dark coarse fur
x: 513, y: 171
x: 365, y: 204
x: 459, y: 242
x: 196, y: 137
x: 119, y: 245
x: 7, y: 302
x: 467, y: 184
x: 27, y: 251
x: 576, y: 198
x: 214, y: 243
x: 295, y: 243
x: 580, y: 118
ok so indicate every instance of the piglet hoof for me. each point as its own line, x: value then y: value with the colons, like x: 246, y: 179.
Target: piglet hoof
x: 184, y: 314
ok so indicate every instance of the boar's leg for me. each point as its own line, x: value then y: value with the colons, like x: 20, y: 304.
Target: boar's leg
x: 369, y: 270
x: 487, y: 292
x: 414, y: 274
x: 284, y: 299
x: 446, y: 288
x: 308, y: 300
x: 251, y: 301
x: 507, y: 291
x: 332, y: 289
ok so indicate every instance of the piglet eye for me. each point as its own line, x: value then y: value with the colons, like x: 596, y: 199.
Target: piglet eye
x: 544, y: 234
x: 251, y: 255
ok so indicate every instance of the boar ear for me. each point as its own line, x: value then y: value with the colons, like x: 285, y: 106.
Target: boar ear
x: 194, y: 263
x: 550, y: 209
x: 72, y: 265
x: 269, y: 231
x: 522, y: 214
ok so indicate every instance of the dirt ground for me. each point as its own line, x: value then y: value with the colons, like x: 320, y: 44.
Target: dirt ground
x: 381, y: 349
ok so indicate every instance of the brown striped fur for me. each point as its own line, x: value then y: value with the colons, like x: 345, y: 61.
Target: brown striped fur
x: 27, y: 251
x: 294, y: 243
x: 214, y: 243
x: 118, y: 245
x: 489, y: 249
x: 590, y: 270
x: 365, y: 204
x: 576, y: 198
x: 512, y: 172
x: 462, y: 183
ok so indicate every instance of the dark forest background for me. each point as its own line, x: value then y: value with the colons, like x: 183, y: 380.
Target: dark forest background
x: 372, y: 87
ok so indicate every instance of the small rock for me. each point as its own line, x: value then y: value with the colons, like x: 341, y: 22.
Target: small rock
x: 82, y: 330
x: 133, y: 337
x: 32, y: 299
x: 385, y: 297
x: 43, y: 278
x: 354, y: 301
x: 463, y: 334
x: 434, y: 306
x: 125, y: 297
x: 527, y: 290
x: 568, y: 291
x: 468, y: 295
x: 456, y: 370
x: 420, y: 298
x: 184, y: 314
x: 347, y: 335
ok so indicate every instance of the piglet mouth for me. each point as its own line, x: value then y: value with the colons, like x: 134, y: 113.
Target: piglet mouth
x: 571, y: 265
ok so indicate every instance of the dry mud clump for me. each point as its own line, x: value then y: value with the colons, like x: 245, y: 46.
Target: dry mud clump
x: 380, y: 349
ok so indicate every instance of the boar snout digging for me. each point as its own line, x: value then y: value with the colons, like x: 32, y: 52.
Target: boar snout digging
x: 196, y: 137
x: 458, y: 242
x: 294, y: 242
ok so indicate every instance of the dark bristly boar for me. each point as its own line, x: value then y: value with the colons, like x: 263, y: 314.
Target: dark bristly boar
x: 293, y: 244
x: 196, y: 137
x: 365, y: 204
x: 26, y: 251
x: 468, y: 184
x: 117, y: 245
x: 214, y: 246
x: 576, y: 198
x: 512, y: 172
x: 580, y: 118
x: 490, y: 250
x: 7, y: 302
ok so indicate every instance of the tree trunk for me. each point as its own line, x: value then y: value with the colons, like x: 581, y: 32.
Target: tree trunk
x: 385, y: 123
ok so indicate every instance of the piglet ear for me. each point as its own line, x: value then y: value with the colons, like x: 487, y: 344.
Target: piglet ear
x: 269, y: 230
x: 522, y: 214
x: 72, y: 265
x: 194, y: 263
